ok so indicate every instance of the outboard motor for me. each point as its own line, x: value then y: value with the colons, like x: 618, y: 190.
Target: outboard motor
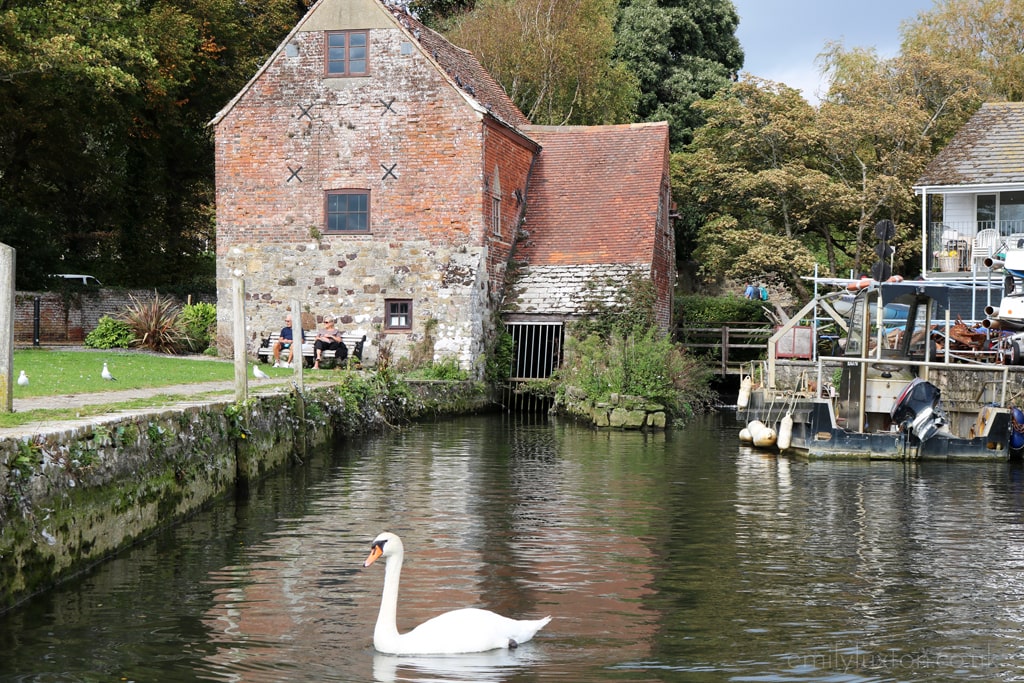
x: 917, y: 410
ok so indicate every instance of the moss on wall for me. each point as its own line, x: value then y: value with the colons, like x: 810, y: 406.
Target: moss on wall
x: 73, y: 496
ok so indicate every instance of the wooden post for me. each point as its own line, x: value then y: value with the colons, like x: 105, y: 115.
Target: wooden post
x: 238, y: 326
x: 298, y: 363
x: 725, y: 350
x: 297, y: 339
x: 7, y: 255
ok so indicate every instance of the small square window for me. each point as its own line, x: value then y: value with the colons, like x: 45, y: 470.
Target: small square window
x: 347, y: 53
x: 348, y: 211
x: 398, y: 314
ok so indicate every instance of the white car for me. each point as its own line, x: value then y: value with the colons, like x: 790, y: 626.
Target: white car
x: 87, y: 280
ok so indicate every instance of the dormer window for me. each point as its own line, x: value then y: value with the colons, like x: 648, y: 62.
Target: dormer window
x: 348, y: 53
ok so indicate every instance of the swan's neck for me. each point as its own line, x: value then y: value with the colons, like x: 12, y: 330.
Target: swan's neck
x: 387, y: 619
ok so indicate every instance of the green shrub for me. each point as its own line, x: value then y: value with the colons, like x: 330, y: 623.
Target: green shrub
x: 110, y: 334
x: 630, y: 310
x: 648, y: 365
x: 447, y: 369
x: 701, y: 310
x: 199, y: 323
x: 499, y: 358
x: 155, y: 324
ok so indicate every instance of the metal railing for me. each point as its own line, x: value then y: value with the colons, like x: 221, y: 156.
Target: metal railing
x: 951, y: 244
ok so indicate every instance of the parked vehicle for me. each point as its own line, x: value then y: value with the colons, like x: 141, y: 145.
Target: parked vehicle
x: 77, y: 279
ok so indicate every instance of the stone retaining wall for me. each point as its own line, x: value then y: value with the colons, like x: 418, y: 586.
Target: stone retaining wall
x: 619, y: 412
x: 72, y: 496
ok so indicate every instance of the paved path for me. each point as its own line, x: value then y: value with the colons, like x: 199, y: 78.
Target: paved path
x: 179, y: 395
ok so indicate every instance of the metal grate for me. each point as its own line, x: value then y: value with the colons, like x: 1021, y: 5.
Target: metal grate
x: 537, y: 352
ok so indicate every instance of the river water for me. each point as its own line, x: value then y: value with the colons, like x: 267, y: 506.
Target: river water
x: 668, y: 557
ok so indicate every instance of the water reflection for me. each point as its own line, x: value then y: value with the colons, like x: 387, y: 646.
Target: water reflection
x: 678, y: 556
x: 500, y: 665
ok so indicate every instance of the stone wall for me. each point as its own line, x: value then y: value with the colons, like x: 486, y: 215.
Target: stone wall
x: 428, y: 161
x: 619, y: 412
x: 74, y: 494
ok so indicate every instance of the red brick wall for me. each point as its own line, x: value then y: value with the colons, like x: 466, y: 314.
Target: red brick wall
x: 663, y: 266
x: 432, y: 143
x: 67, y: 319
x: 512, y: 155
x: 429, y: 226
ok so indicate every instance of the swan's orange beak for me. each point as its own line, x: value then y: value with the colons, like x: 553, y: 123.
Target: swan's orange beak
x: 375, y: 552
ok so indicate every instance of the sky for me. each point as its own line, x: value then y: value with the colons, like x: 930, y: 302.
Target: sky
x: 782, y: 38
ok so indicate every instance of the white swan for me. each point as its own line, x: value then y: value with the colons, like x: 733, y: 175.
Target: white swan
x: 458, y: 631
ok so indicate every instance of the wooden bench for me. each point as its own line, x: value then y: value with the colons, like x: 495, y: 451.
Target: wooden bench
x: 353, y: 342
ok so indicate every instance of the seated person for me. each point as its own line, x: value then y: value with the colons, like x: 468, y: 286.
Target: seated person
x: 328, y: 338
x: 284, y: 342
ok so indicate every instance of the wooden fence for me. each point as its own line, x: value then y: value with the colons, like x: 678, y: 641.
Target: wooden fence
x: 730, y: 345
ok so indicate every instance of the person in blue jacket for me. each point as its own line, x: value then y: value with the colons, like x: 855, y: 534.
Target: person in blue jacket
x: 284, y: 342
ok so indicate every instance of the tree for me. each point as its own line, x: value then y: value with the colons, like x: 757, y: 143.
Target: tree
x: 980, y: 35
x: 817, y: 180
x: 680, y: 51
x: 753, y: 167
x: 881, y: 122
x: 437, y: 13
x: 105, y: 160
x: 553, y: 57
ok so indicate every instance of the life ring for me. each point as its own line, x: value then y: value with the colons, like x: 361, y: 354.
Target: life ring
x: 863, y: 283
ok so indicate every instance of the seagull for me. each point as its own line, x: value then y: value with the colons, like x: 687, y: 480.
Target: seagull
x: 259, y: 374
x: 106, y: 374
x: 23, y: 379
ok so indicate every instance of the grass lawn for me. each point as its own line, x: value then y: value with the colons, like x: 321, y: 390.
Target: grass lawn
x: 87, y: 411
x: 53, y: 373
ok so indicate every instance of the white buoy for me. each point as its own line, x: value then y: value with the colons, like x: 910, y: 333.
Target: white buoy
x: 766, y: 439
x: 745, y: 436
x: 786, y: 432
x: 743, y: 399
x: 762, y: 435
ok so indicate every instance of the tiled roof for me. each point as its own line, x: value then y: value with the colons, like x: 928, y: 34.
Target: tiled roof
x: 568, y: 290
x: 592, y: 213
x: 988, y: 149
x: 463, y: 68
x: 593, y: 195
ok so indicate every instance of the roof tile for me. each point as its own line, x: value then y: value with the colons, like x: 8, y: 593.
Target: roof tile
x: 463, y: 68
x: 594, y: 194
x: 989, y: 148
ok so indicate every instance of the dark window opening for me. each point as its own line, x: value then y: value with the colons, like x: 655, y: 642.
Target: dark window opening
x: 348, y: 211
x: 398, y: 314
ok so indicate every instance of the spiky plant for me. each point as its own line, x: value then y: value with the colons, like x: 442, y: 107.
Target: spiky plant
x: 155, y: 324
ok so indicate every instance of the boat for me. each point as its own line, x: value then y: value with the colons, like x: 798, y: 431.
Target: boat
x: 901, y: 385
x: 1007, y: 319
